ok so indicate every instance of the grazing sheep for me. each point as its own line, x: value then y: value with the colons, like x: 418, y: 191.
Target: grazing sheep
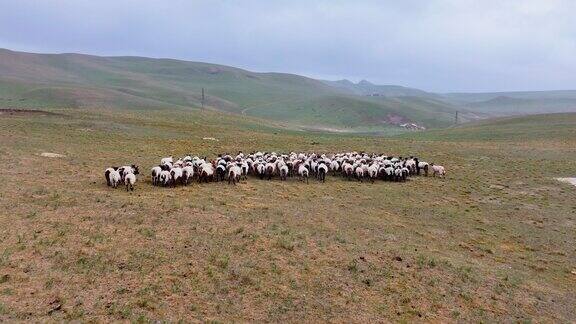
x: 220, y: 172
x: 107, y: 175
x: 115, y: 178
x: 423, y: 166
x: 167, y: 160
x: 359, y: 171
x: 270, y: 169
x: 373, y: 172
x: 322, y: 170
x: 156, y: 175
x: 206, y: 173
x: 129, y: 181
x: 283, y: 171
x: 187, y: 174
x: 303, y: 172
x: 234, y: 173
x: 438, y: 170
x: 165, y: 178
x: 176, y: 174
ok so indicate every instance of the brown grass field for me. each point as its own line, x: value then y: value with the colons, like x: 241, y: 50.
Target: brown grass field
x: 493, y: 241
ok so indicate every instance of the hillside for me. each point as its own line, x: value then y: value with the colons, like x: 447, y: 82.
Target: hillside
x: 75, y: 80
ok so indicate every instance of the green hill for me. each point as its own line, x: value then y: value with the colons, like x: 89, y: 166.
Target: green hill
x: 75, y: 80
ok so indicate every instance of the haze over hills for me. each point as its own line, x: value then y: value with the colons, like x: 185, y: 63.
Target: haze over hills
x: 78, y: 80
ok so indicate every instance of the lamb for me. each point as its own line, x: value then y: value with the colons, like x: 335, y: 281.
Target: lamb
x: 129, y: 181
x: 115, y: 178
x: 438, y: 170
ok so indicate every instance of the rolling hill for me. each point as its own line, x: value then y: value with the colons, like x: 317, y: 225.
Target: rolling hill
x: 30, y: 80
x: 76, y: 80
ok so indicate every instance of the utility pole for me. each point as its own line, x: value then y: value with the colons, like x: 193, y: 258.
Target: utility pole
x: 203, y: 98
x: 456, y: 118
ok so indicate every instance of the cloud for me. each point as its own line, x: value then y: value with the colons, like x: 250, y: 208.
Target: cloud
x: 439, y: 45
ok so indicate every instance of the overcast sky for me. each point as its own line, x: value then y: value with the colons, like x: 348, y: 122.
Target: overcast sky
x: 436, y: 45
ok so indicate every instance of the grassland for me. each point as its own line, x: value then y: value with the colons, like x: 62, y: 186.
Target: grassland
x: 493, y: 241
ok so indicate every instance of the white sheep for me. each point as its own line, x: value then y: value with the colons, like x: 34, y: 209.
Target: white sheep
x: 187, y: 174
x: 176, y: 174
x: 438, y: 170
x: 129, y: 181
x: 303, y: 172
x: 165, y: 178
x: 234, y: 173
x: 155, y: 172
x: 115, y: 178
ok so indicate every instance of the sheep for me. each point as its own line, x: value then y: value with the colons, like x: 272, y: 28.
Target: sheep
x: 115, y: 178
x: 424, y: 166
x: 270, y: 169
x: 348, y: 170
x: 176, y: 174
x: 129, y: 181
x: 303, y: 172
x: 373, y: 172
x: 359, y: 171
x: 234, y: 173
x: 322, y: 170
x: 187, y: 174
x: 334, y: 166
x: 438, y: 170
x: 283, y: 171
x: 206, y: 172
x: 165, y: 178
x: 156, y: 175
x: 220, y: 172
x: 107, y: 175
x: 167, y: 160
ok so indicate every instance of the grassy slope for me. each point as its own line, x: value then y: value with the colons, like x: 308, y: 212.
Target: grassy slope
x: 494, y: 241
x: 71, y: 80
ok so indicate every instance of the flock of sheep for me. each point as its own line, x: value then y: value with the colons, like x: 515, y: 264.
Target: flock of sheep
x: 351, y: 165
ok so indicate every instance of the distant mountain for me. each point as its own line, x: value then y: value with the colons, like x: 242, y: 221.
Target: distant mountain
x: 366, y: 88
x: 516, y: 103
x: 85, y: 81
